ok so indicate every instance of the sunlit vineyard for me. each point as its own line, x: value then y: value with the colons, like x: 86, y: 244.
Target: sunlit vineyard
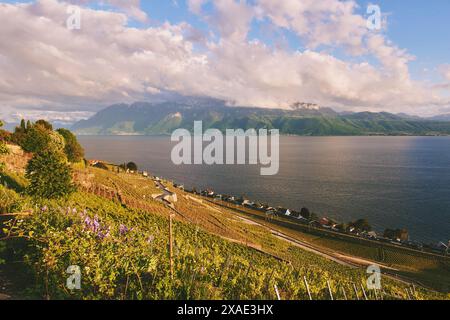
x: 429, y: 269
x: 123, y: 254
x: 118, y: 235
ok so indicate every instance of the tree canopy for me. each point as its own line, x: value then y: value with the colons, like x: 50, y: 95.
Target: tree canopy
x: 38, y: 136
x: 45, y: 124
x: 3, y: 149
x: 401, y: 234
x: 73, y: 150
x: 305, y: 213
x: 49, y: 175
x: 361, y: 225
x: 132, y: 166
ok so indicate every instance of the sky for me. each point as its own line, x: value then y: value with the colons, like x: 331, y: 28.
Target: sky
x: 65, y: 60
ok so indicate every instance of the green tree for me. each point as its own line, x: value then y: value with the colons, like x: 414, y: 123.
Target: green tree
x: 19, y: 134
x: 3, y: 149
x: 361, y: 225
x: 56, y: 143
x: 45, y: 124
x: 305, y: 213
x: 35, y: 139
x: 342, y: 227
x: 49, y: 175
x: 313, y: 217
x: 132, y: 166
x: 73, y: 150
x: 401, y: 234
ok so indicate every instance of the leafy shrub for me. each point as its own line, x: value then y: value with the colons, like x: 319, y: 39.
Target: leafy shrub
x: 45, y: 124
x: 9, y: 200
x: 34, y: 139
x: 132, y: 166
x: 13, y: 180
x: 49, y: 175
x: 56, y: 143
x: 4, y: 135
x: 37, y: 137
x: 3, y: 148
x: 73, y: 150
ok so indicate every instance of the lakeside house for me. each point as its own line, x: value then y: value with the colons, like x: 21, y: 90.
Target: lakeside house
x: 283, y: 211
x: 93, y: 162
x: 401, y: 237
x: 441, y: 247
x: 179, y: 186
x: 247, y: 203
x: 270, y: 214
x: 369, y: 235
x: 325, y: 223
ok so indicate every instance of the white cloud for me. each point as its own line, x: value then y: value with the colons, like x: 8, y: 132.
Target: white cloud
x: 45, y: 65
x: 131, y: 7
x: 445, y: 71
x: 232, y: 19
x: 325, y: 22
x: 195, y: 6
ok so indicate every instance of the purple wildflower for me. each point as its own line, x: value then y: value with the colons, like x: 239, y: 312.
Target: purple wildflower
x: 101, y: 235
x: 87, y: 223
x: 96, y: 225
x: 83, y: 214
x: 123, y: 230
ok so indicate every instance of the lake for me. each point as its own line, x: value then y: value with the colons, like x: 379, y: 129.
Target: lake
x: 394, y: 182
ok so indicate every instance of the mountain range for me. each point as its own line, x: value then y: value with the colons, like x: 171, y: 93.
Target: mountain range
x: 162, y: 118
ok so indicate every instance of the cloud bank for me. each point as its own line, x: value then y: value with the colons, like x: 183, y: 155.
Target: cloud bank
x: 46, y: 66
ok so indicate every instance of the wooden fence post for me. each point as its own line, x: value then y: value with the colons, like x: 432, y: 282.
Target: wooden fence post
x: 407, y: 293
x: 307, y: 288
x: 171, y: 245
x: 356, y: 291
x: 364, y: 292
x: 413, y: 295
x: 277, y: 292
x: 329, y: 289
x: 345, y: 294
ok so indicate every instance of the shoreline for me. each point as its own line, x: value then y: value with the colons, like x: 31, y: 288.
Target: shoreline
x: 281, y: 135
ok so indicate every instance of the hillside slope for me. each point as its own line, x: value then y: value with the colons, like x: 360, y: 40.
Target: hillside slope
x: 162, y: 118
x: 117, y: 231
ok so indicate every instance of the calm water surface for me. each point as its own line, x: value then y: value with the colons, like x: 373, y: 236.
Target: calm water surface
x: 396, y: 182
